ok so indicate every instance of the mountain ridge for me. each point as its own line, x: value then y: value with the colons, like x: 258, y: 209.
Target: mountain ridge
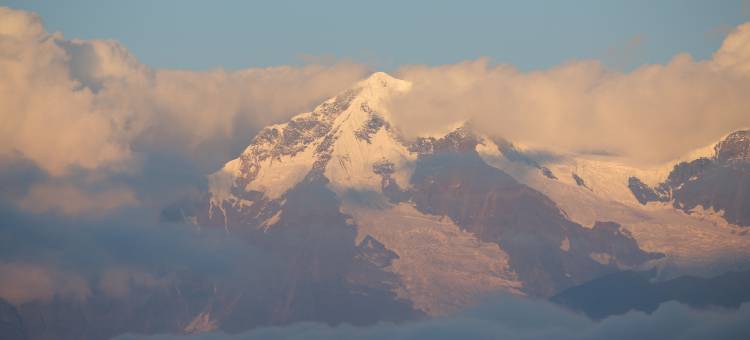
x: 358, y: 225
x: 348, y: 145
x: 720, y: 182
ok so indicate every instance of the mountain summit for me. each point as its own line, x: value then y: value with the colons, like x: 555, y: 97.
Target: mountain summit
x: 428, y: 226
x: 734, y: 148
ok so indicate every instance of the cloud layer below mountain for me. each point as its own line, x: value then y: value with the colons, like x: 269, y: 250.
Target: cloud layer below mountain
x: 512, y: 318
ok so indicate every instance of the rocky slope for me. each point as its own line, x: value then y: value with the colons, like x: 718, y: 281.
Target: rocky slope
x: 679, y: 219
x: 316, y: 188
x: 720, y: 183
x: 365, y: 226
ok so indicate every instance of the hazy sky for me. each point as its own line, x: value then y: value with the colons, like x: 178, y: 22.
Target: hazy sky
x: 386, y: 34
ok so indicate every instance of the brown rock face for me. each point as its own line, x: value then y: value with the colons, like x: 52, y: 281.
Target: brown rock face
x: 452, y: 180
x: 721, y: 182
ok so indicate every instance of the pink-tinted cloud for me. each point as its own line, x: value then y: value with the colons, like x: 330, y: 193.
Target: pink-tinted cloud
x: 653, y: 114
x: 89, y: 106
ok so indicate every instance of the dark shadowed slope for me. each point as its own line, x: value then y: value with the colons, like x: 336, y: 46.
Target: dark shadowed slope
x: 621, y: 292
x: 548, y: 251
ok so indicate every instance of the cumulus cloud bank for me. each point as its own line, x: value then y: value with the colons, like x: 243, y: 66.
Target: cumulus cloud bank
x: 651, y: 115
x: 99, y: 124
x: 518, y: 318
x: 75, y: 106
x: 45, y: 257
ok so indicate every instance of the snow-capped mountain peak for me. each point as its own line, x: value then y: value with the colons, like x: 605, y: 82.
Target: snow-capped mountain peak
x: 734, y: 147
x: 343, y: 138
x: 437, y: 221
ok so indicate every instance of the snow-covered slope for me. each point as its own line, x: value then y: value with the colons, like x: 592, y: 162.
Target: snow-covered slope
x: 438, y: 222
x: 436, y: 256
x: 345, y: 140
x: 343, y: 137
x: 591, y: 189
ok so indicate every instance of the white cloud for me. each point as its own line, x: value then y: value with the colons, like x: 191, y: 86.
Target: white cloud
x: 73, y: 106
x: 734, y: 53
x: 653, y: 114
x: 45, y: 117
x: 89, y: 108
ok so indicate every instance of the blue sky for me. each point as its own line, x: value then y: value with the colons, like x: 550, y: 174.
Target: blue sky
x: 529, y: 34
